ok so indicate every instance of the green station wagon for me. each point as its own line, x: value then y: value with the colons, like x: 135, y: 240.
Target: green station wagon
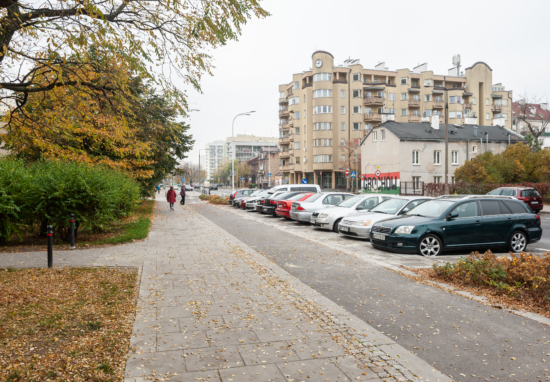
x: 459, y: 222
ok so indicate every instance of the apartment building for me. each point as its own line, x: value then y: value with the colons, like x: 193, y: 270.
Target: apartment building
x: 537, y: 115
x: 215, y: 152
x: 247, y: 147
x: 330, y: 106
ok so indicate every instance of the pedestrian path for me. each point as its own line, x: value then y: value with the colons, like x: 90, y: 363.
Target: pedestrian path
x: 212, y: 309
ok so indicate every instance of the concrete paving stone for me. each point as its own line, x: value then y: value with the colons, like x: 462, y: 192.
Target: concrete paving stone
x: 183, y: 340
x: 204, y: 299
x: 313, y: 370
x: 147, y: 326
x: 279, y: 332
x: 316, y: 348
x: 213, y: 358
x: 225, y: 308
x: 197, y: 376
x: 209, y: 323
x: 225, y: 337
x: 354, y: 369
x: 158, y: 364
x: 264, y: 373
x: 143, y: 343
x: 312, y: 330
x: 174, y: 311
x: 264, y: 353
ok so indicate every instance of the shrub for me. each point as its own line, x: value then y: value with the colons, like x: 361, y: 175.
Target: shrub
x: 204, y: 197
x: 215, y: 199
x: 437, y: 189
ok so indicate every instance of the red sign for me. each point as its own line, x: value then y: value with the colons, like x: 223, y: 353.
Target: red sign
x: 377, y: 173
x: 347, y: 172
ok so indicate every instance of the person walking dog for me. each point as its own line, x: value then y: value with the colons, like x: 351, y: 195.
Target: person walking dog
x: 171, y: 197
x: 182, y: 193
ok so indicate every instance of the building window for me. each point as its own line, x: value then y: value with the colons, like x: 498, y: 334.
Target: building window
x: 294, y: 100
x: 322, y: 77
x: 322, y: 109
x: 427, y: 113
x: 404, y: 112
x: 343, y: 126
x: 383, y: 134
x: 391, y: 96
x: 342, y: 94
x: 356, y: 109
x: 504, y: 102
x: 343, y: 158
x: 304, y: 98
x: 296, y: 145
x: 342, y: 142
x: 454, y: 157
x: 403, y: 80
x: 304, y: 129
x: 322, y: 158
x: 390, y: 111
x: 356, y: 126
x: 428, y: 82
x: 452, y: 114
x: 374, y: 136
x: 403, y: 96
x: 428, y: 98
x: 416, y: 181
x: 437, y: 157
x: 452, y: 180
x: 296, y: 130
x: 322, y: 126
x: 368, y: 126
x: 416, y: 97
x: 474, y: 149
x: 416, y: 113
x: 322, y: 142
x: 416, y: 157
x: 296, y: 85
x: 437, y: 179
x: 342, y: 110
x: 305, y: 148
x: 356, y: 93
x: 356, y: 77
x: 486, y: 116
x: 486, y: 101
x: 368, y: 110
x: 439, y: 99
x: 282, y: 95
x: 474, y: 100
x: 297, y: 160
x: 297, y: 115
x: 322, y: 93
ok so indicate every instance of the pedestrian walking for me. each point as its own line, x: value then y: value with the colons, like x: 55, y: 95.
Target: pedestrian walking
x: 171, y: 197
x: 182, y: 193
x: 158, y: 188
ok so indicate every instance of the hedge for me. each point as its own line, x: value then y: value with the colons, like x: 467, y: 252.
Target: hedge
x: 35, y: 195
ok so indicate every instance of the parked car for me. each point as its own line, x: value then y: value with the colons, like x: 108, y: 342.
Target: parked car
x: 242, y: 193
x: 284, y: 205
x: 261, y: 201
x: 243, y: 201
x: 449, y: 223
x: 188, y: 188
x: 253, y: 202
x: 214, y: 187
x: 528, y: 195
x: 270, y: 204
x: 330, y: 218
x: 302, y: 211
x: 296, y: 187
x: 361, y: 223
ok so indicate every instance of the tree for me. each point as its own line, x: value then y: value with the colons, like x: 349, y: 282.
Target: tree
x: 472, y: 172
x: 53, y: 38
x: 532, y: 117
x: 347, y: 156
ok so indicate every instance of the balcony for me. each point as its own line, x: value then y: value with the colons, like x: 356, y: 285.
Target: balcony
x: 283, y: 100
x: 284, y: 155
x: 373, y: 117
x: 414, y: 103
x: 377, y: 101
x: 468, y: 105
x: 437, y: 104
x: 284, y: 127
x: 291, y: 153
x: 380, y: 83
x: 291, y: 167
x: 291, y: 123
x: 283, y: 113
x: 284, y: 168
x: 496, y: 108
x: 291, y: 137
x: 414, y: 118
x: 284, y: 140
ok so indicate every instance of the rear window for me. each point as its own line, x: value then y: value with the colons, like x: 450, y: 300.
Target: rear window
x: 297, y: 197
x: 529, y: 193
x: 295, y: 188
x: 314, y: 197
x: 515, y: 207
x: 285, y: 195
x: 309, y: 189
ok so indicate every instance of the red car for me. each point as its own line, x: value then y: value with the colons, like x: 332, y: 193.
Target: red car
x: 528, y: 195
x: 283, y: 206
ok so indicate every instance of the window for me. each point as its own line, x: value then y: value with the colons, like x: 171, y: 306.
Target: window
x: 342, y: 158
x: 297, y: 160
x: 356, y: 77
x: 486, y: 116
x: 416, y: 97
x: 516, y: 206
x: 368, y: 126
x: 474, y: 149
x: 294, y: 100
x: 322, y: 93
x: 403, y: 81
x: 305, y: 145
x: 305, y: 113
x: 342, y: 142
x: 374, y: 136
x: 322, y: 109
x: 437, y: 157
x: 356, y: 93
x: 498, y: 102
x: 416, y: 157
x: 452, y: 114
x: 343, y: 126
x: 296, y: 85
x: 342, y: 110
x: 491, y: 207
x: 403, y: 96
x: 428, y: 98
x: 356, y: 109
x: 391, y: 96
x: 304, y: 98
x: 390, y: 111
x: 437, y: 179
x: 381, y: 94
x: 428, y: 113
x: 486, y: 101
x: 304, y: 129
x: 282, y: 95
x: 452, y: 99
x: 322, y: 142
x: 474, y: 100
x: 383, y: 134
x: 439, y: 99
x: 416, y: 181
x: 414, y: 83
x: 454, y: 157
x: 467, y: 210
x: 322, y: 158
x: 404, y: 112
x: 368, y: 110
x: 428, y: 82
x: 296, y: 130
x: 322, y: 77
x: 356, y: 126
x: 504, y: 102
x: 297, y: 115
x: 459, y: 114
x: 322, y: 126
x: 296, y: 145
x: 282, y: 121
x: 416, y: 113
x: 342, y: 94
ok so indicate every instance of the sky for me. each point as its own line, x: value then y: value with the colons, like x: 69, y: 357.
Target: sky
x: 510, y: 36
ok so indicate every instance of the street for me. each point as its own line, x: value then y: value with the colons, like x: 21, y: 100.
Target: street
x: 462, y: 338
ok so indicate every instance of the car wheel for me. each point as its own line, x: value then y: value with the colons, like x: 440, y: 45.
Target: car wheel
x: 335, y: 226
x: 429, y: 246
x: 536, y: 211
x: 517, y: 242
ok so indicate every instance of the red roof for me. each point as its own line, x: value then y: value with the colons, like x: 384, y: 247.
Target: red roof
x: 532, y: 111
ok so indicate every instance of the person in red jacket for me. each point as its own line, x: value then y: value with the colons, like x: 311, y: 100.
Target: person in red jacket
x: 171, y: 197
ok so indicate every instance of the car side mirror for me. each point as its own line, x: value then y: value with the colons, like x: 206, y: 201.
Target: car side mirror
x: 359, y: 208
x: 452, y: 215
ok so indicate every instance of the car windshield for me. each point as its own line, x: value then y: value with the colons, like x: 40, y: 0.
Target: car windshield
x: 431, y: 208
x: 348, y: 203
x: 389, y: 206
x: 256, y: 193
x: 284, y: 195
x: 528, y: 193
x: 314, y: 197
x: 297, y: 197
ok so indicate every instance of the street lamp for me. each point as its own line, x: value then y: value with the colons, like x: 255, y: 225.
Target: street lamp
x: 355, y: 168
x: 233, y: 149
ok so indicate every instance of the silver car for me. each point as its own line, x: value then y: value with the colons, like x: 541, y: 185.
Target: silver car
x: 252, y: 202
x: 360, y: 224
x: 330, y: 218
x: 302, y: 211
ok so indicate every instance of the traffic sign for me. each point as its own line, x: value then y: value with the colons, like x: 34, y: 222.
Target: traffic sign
x: 377, y: 173
x: 250, y: 179
x: 353, y: 174
x: 242, y: 177
x: 347, y: 172
x: 183, y: 180
x: 304, y: 181
x: 269, y: 175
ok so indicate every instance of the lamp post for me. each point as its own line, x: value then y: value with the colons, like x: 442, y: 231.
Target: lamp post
x: 355, y: 168
x: 233, y: 149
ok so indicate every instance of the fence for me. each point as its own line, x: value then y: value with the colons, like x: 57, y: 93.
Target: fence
x: 412, y: 188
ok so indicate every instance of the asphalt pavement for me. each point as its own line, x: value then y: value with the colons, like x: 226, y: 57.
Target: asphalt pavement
x: 464, y: 339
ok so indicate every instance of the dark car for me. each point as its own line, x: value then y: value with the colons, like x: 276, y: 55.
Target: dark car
x: 528, y: 195
x: 451, y: 223
x: 270, y: 204
x: 237, y: 195
x: 214, y: 187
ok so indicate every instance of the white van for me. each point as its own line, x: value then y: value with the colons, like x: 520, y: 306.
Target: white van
x: 295, y: 187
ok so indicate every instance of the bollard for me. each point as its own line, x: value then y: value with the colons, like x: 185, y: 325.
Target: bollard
x: 72, y: 232
x: 50, y: 246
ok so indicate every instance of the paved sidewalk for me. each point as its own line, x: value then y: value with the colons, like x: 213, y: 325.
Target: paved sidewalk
x: 212, y: 309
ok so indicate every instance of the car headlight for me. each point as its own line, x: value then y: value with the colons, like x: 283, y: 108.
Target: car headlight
x: 362, y: 222
x: 404, y: 229
x: 321, y: 216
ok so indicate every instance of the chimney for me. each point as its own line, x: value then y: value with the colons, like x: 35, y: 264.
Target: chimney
x: 435, y: 121
x: 475, y: 130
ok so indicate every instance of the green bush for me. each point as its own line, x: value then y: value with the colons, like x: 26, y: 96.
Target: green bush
x: 45, y: 193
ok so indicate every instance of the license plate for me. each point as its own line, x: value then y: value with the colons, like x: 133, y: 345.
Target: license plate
x: 534, y: 202
x: 280, y: 206
x: 293, y: 208
x: 345, y: 229
x: 378, y: 236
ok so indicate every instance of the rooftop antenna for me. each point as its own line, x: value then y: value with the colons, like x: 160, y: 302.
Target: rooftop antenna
x: 456, y: 62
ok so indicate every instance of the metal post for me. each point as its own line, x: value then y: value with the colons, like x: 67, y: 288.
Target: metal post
x: 50, y: 246
x: 72, y: 232
x: 233, y: 149
x: 446, y: 142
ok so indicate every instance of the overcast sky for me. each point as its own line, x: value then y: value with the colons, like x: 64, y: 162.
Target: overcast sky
x: 510, y: 36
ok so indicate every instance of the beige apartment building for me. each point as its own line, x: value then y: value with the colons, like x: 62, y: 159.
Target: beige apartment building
x: 328, y: 106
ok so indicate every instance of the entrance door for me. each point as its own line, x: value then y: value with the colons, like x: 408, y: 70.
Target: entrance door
x: 327, y: 180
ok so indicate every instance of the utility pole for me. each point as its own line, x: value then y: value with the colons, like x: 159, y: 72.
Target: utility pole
x: 446, y: 141
x: 234, y: 149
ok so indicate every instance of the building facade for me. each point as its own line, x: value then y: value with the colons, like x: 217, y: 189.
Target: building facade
x: 215, y: 152
x: 268, y: 164
x: 331, y: 106
x: 414, y: 152
x: 247, y: 147
x: 537, y: 115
